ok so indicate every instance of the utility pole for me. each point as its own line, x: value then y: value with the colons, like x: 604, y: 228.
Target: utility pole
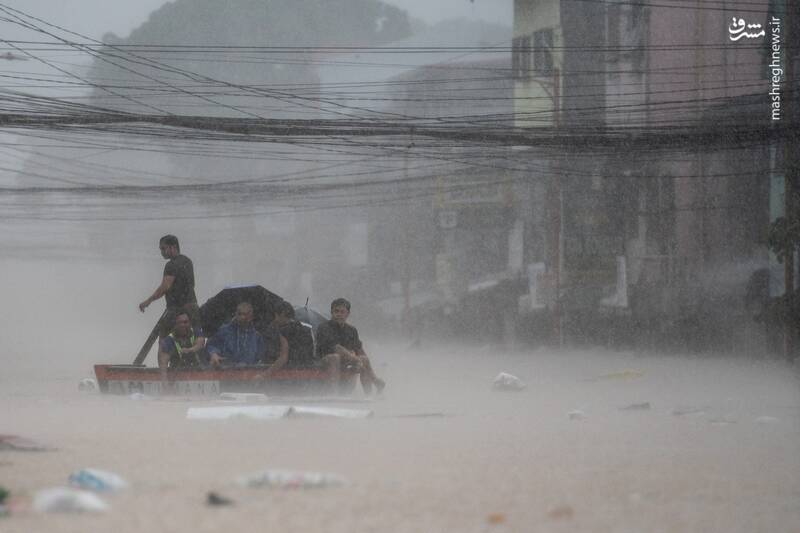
x: 556, y: 202
x: 406, y: 252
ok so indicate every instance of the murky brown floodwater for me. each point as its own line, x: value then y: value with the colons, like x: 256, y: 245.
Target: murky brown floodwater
x: 496, y: 462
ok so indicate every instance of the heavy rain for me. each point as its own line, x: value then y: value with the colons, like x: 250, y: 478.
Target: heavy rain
x: 565, y: 230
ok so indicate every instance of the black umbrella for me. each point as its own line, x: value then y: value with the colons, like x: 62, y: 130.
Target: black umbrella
x: 310, y: 316
x: 221, y: 307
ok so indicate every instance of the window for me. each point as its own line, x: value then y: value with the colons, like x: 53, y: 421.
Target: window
x: 521, y: 57
x: 614, y: 35
x: 543, y: 52
x: 533, y: 55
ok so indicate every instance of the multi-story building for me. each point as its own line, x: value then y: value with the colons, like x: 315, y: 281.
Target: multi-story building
x: 667, y: 236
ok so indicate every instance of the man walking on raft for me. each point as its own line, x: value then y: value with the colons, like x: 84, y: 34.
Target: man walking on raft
x: 177, y: 287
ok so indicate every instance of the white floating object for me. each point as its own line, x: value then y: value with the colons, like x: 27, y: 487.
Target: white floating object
x: 67, y: 500
x: 272, y: 412
x: 576, y: 415
x: 626, y: 374
x: 688, y: 411
x: 243, y: 397
x: 140, y: 396
x: 766, y: 420
x: 288, y: 479
x: 642, y: 406
x: 87, y: 385
x: 97, y: 480
x: 334, y: 412
x: 257, y: 412
x: 507, y: 382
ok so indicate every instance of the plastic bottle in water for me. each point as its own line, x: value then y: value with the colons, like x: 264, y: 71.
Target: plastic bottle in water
x: 97, y: 480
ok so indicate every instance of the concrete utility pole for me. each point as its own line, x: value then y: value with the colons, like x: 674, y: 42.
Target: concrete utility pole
x: 556, y: 202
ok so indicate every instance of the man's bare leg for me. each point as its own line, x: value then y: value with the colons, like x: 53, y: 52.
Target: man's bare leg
x: 332, y: 363
x: 163, y: 365
x: 368, y: 377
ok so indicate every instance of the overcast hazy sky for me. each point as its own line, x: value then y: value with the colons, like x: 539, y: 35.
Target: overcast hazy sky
x: 96, y: 17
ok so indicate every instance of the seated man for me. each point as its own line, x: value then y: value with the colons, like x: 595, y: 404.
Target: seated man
x: 276, y: 353
x: 298, y: 337
x: 183, y: 347
x: 338, y: 341
x: 237, y: 342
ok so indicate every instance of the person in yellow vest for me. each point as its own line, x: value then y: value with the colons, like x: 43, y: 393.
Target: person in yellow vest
x: 183, y: 347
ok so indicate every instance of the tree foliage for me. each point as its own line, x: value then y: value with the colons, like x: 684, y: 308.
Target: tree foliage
x: 274, y: 23
x: 784, y: 236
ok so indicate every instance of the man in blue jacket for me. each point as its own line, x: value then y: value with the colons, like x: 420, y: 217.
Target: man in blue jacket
x: 237, y: 342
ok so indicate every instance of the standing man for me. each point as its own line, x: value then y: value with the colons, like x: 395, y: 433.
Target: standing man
x: 177, y: 286
x: 337, y: 340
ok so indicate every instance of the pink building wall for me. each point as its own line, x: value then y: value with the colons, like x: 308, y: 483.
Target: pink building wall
x: 693, y: 66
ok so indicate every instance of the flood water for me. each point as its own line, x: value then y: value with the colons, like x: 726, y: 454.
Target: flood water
x: 717, y: 450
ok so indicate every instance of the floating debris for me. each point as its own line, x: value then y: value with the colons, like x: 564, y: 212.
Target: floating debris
x: 420, y: 415
x: 67, y: 500
x: 272, y: 412
x: 288, y: 479
x: 256, y: 412
x: 644, y: 406
x: 577, y: 415
x: 507, y: 382
x: 87, y: 385
x: 21, y: 444
x: 561, y: 512
x: 243, y: 397
x: 766, y: 420
x: 333, y: 412
x: 496, y: 519
x: 215, y: 500
x: 689, y: 411
x: 97, y: 480
x: 138, y: 396
x: 626, y: 374
x: 722, y: 421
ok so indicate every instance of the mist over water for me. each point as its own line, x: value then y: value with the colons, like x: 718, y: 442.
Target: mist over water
x: 443, y: 451
x: 371, y: 152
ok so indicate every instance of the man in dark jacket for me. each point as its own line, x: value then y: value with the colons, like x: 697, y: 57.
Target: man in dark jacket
x: 298, y: 336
